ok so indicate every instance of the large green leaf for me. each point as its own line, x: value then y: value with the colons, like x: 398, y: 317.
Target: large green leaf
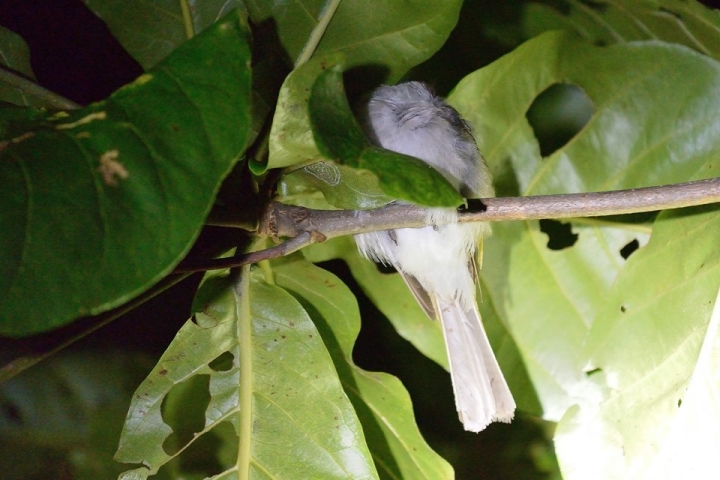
x: 382, y: 403
x: 100, y: 203
x: 656, y: 121
x: 151, y: 29
x: 270, y: 385
x: 658, y: 415
x: 393, y: 35
x: 685, y: 22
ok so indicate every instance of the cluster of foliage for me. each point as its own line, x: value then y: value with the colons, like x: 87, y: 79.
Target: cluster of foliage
x: 612, y: 335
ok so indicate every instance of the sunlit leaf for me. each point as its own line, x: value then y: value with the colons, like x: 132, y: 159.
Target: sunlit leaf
x: 645, y: 347
x: 549, y: 298
x: 99, y: 203
x: 642, y: 133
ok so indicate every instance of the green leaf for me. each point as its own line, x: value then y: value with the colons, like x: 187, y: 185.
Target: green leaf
x: 644, y: 344
x: 688, y: 23
x: 381, y: 402
x: 642, y: 133
x: 291, y: 140
x: 390, y: 35
x: 339, y: 137
x: 151, y: 30
x: 380, y: 39
x: 335, y: 129
x: 268, y: 378
x: 100, y: 203
x: 337, y: 186
x: 14, y: 55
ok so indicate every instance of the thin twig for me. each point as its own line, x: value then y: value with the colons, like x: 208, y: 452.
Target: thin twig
x: 286, y: 248
x: 31, y: 88
x: 187, y: 19
x: 304, y: 226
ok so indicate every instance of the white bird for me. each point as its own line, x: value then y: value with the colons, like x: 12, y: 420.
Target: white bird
x: 438, y: 261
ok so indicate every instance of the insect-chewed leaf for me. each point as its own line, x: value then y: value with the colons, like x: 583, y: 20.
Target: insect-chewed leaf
x: 593, y: 326
x: 269, y: 377
x: 98, y: 204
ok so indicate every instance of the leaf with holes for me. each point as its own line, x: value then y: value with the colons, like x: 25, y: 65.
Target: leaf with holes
x: 641, y: 133
x: 263, y: 382
x: 380, y: 400
x: 150, y: 31
x: 645, y: 347
x: 99, y: 204
x: 632, y: 140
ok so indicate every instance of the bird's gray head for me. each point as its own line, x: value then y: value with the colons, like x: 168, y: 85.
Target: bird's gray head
x: 408, y: 118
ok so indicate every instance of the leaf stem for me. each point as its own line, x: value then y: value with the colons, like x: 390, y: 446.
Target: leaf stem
x: 314, y: 40
x: 51, y: 99
x: 244, y: 332
x: 187, y: 19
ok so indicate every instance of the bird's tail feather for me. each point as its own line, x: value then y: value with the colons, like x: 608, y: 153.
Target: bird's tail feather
x: 481, y: 392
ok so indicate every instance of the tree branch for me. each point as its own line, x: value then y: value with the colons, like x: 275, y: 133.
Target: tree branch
x: 305, y: 226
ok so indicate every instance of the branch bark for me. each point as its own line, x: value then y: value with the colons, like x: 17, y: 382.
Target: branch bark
x: 304, y: 226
